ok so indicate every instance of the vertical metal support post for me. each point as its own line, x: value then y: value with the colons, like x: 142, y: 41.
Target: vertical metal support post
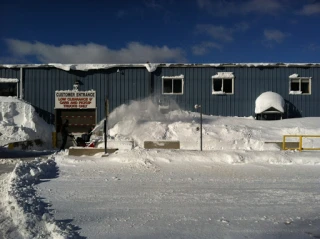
x: 300, y: 143
x: 20, y: 84
x: 105, y: 136
x: 197, y: 107
x: 105, y: 129
x: 284, y: 142
x: 200, y: 128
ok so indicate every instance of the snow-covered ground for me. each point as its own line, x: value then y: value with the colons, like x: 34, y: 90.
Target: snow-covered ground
x: 239, y: 186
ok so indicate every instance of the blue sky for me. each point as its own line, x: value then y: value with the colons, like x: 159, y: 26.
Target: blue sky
x: 137, y: 31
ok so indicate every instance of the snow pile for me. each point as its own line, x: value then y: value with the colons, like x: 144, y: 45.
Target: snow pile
x: 20, y: 122
x: 267, y: 100
x: 153, y: 158
x: 142, y: 121
x: 26, y: 210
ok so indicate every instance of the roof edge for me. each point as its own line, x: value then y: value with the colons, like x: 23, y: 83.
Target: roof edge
x: 153, y: 66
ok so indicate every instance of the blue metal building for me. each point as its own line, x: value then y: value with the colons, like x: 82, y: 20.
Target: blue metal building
x: 221, y: 89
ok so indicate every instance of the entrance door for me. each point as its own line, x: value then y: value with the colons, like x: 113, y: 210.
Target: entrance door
x: 80, y: 121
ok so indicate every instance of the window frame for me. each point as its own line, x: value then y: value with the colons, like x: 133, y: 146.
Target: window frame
x: 299, y: 79
x: 223, y: 76
x: 11, y: 81
x: 173, y: 78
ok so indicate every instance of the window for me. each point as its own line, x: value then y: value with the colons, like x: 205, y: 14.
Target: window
x: 172, y: 84
x: 222, y: 83
x: 8, y: 87
x: 299, y: 85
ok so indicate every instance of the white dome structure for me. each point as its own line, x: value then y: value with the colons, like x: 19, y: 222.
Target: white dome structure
x: 269, y: 103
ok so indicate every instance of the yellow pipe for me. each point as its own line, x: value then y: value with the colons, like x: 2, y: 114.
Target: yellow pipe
x: 300, y: 142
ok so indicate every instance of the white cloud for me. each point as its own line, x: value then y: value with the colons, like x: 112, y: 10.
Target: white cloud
x: 220, y: 32
x: 134, y: 52
x: 225, y: 8
x: 205, y: 4
x: 241, y: 27
x: 217, y: 8
x: 216, y: 32
x: 205, y: 47
x: 153, y: 4
x: 261, y: 6
x: 313, y: 47
x: 275, y: 35
x: 310, y: 9
x: 12, y: 60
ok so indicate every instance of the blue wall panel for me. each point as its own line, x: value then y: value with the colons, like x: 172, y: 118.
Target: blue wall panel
x: 10, y: 73
x: 136, y: 83
x: 249, y: 83
x: 119, y: 87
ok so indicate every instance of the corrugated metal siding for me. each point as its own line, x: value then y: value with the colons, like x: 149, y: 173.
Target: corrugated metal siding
x: 249, y: 83
x: 137, y: 83
x: 121, y: 87
x: 11, y: 73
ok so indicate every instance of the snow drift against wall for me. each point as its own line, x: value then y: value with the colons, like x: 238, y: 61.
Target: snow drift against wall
x: 19, y: 121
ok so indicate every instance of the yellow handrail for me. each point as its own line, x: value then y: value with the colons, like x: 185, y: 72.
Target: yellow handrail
x: 300, y: 148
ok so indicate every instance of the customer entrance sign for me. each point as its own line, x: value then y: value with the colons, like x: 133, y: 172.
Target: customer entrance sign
x: 75, y: 99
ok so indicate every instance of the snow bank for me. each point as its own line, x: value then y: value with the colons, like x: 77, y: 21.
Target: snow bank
x: 267, y: 100
x: 142, y: 121
x: 19, y: 122
x: 26, y: 210
x: 153, y: 158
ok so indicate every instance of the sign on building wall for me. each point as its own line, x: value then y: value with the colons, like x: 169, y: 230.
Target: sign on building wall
x: 75, y: 99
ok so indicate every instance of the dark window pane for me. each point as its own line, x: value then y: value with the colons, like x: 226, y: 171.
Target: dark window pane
x: 177, y: 86
x: 217, y: 85
x: 294, y: 86
x: 305, y: 87
x: 227, y: 85
x: 8, y: 89
x: 167, y: 86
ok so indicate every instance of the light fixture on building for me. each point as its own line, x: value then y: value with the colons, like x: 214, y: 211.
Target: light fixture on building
x: 121, y: 72
x: 76, y: 85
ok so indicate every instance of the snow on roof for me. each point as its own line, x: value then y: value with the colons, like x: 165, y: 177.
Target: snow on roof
x: 267, y: 100
x: 8, y: 80
x: 151, y: 67
x: 83, y: 67
x: 294, y: 75
x: 223, y: 75
x: 173, y: 77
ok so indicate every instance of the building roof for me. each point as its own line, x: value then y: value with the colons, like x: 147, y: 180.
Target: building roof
x: 153, y: 66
